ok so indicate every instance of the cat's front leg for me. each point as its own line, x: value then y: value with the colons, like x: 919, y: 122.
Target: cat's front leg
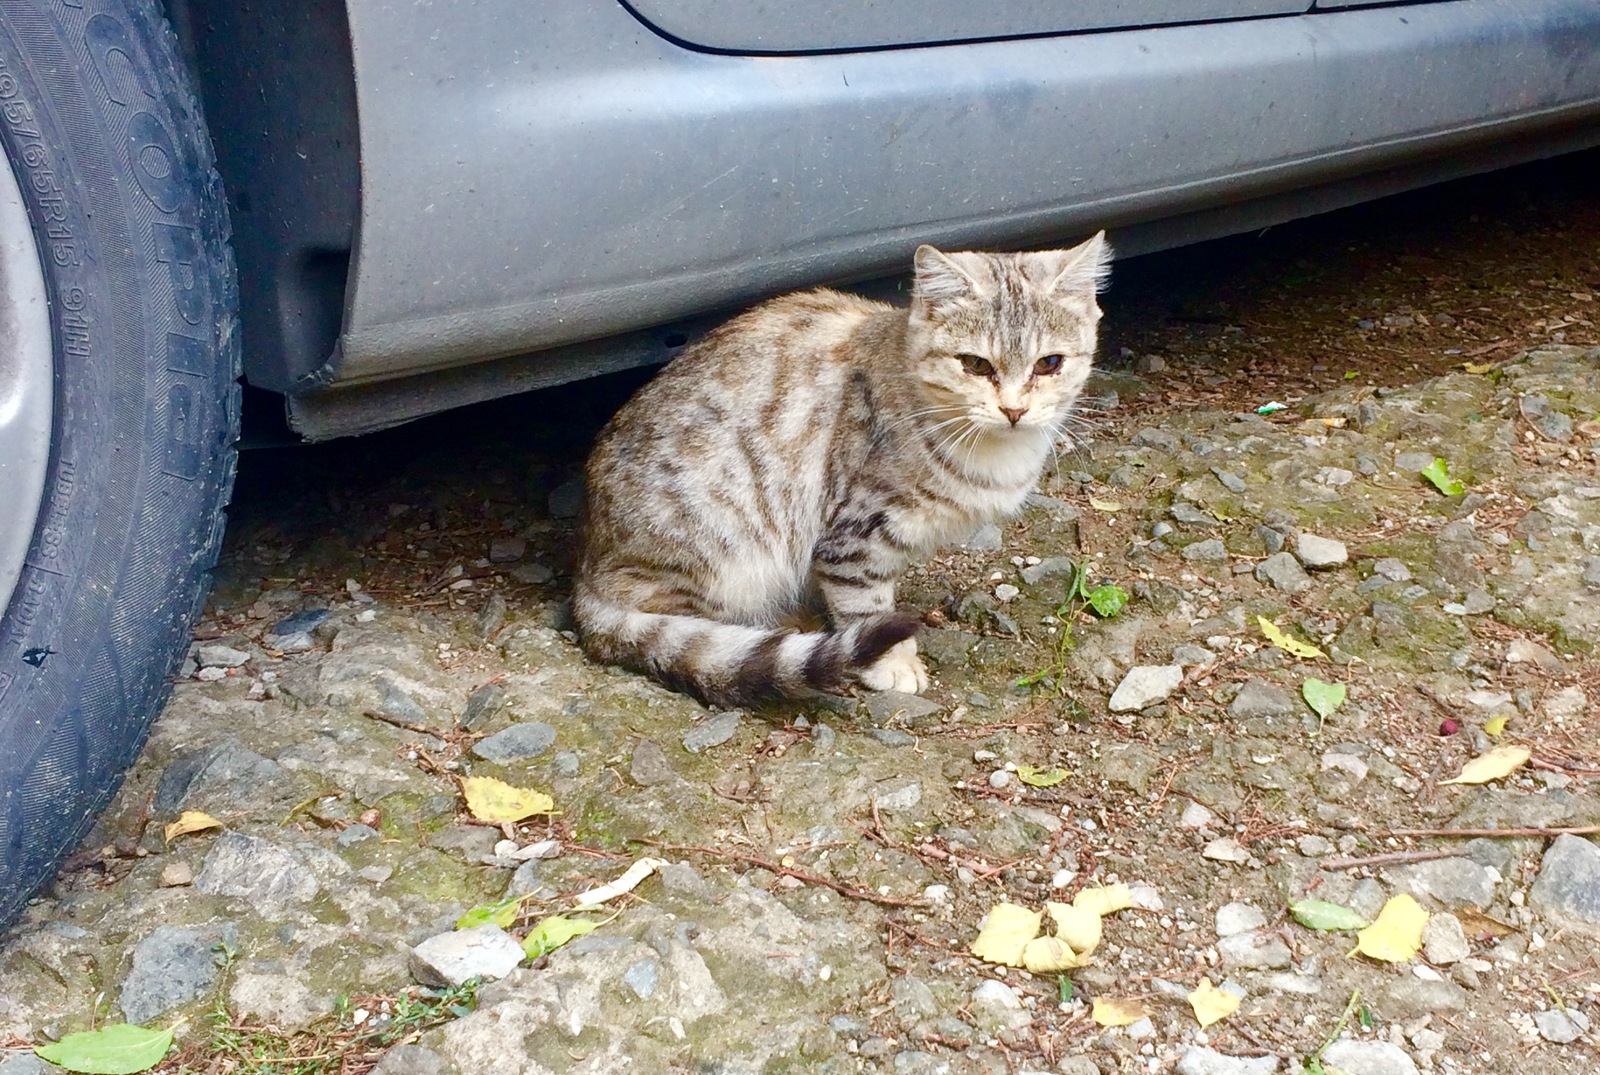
x: 856, y: 566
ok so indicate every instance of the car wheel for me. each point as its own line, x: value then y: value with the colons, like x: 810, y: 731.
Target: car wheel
x: 119, y: 406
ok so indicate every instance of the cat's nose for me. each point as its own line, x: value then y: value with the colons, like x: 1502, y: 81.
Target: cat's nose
x: 1013, y: 413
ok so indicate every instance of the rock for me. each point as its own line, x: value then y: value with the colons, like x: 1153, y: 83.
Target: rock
x: 1283, y: 572
x: 358, y: 833
x: 1411, y: 997
x: 1230, y: 481
x: 1195, y: 816
x: 534, y: 574
x: 1454, y: 882
x: 987, y: 538
x: 1144, y: 686
x: 275, y: 999
x: 1313, y: 846
x: 1568, y: 889
x: 1391, y: 569
x: 891, y: 737
x: 1049, y: 568
x: 642, y: 977
x: 1006, y: 592
x: 1196, y: 1061
x: 176, y: 875
x: 272, y: 878
x: 1256, y: 949
x: 224, y: 774
x: 1526, y: 651
x: 1368, y: 1058
x: 1235, y: 918
x: 996, y: 1003
x: 1568, y: 703
x: 1444, y: 941
x: 912, y: 999
x: 886, y: 706
x: 29, y: 1064
x: 1187, y: 654
x: 906, y: 797
x: 1226, y: 849
x: 917, y: 1062
x: 411, y: 1060
x: 1077, y: 1065
x: 482, y: 704
x: 471, y: 842
x: 397, y: 703
x: 299, y: 623
x: 1210, y: 550
x: 711, y: 732
x: 1315, y: 551
x: 566, y: 500
x: 506, y: 550
x: 524, y: 880
x: 649, y: 766
x: 1259, y: 699
x: 172, y: 966
x: 216, y: 655
x: 491, y: 617
x: 486, y: 952
x: 528, y: 739
x: 1561, y: 1026
x: 1186, y: 513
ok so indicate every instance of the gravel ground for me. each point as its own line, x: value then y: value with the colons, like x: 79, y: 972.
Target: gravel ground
x: 389, y: 619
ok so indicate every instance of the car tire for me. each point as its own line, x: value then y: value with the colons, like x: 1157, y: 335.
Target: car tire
x: 119, y: 406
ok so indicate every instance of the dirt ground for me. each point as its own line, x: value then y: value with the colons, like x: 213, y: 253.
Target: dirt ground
x: 385, y: 606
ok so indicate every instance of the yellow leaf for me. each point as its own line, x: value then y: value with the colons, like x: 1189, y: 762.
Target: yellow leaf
x: 1476, y: 367
x: 497, y: 802
x: 1396, y: 934
x: 1284, y: 642
x: 1492, y: 766
x: 1051, y: 955
x: 1210, y: 1003
x: 1118, y: 1011
x: 1005, y: 933
x: 1496, y: 725
x: 190, y: 821
x: 1104, y: 505
x: 1105, y: 899
x: 1078, y: 926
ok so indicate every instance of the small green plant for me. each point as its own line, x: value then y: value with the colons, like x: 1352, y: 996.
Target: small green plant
x: 1106, y: 600
x: 1312, y: 1065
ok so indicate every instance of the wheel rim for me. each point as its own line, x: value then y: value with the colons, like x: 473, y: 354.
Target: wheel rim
x: 27, y: 382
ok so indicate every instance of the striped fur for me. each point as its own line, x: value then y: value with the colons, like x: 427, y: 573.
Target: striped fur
x: 794, y: 462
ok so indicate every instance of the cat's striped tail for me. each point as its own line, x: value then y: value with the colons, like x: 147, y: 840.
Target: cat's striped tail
x: 731, y: 665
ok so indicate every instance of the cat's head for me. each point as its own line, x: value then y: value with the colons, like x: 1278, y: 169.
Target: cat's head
x: 1006, y: 340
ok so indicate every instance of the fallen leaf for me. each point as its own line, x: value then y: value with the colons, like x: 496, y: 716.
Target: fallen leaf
x: 1496, y: 725
x: 497, y: 802
x: 1211, y: 1004
x: 1104, y: 505
x: 1051, y: 955
x: 190, y: 821
x: 626, y: 883
x: 1040, y: 778
x: 1323, y: 698
x: 1079, y: 927
x: 1479, y: 926
x: 1320, y: 914
x: 1438, y: 472
x: 552, y: 933
x: 1006, y: 932
x: 1118, y: 1011
x: 120, y: 1049
x: 1294, y: 646
x: 1105, y: 899
x: 1499, y: 762
x: 499, y: 913
x: 1476, y: 367
x: 1396, y: 934
x: 1107, y: 600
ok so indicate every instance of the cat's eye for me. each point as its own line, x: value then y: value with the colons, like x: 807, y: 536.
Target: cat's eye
x: 1047, y: 364
x: 978, y: 367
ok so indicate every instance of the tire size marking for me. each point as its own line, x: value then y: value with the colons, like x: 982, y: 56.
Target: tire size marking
x: 41, y: 177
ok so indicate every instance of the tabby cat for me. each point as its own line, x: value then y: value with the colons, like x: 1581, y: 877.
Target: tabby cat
x: 786, y: 469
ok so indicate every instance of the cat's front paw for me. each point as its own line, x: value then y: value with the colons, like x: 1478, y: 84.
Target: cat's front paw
x: 899, y: 669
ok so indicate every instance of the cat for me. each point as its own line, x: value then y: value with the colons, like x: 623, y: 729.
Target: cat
x: 795, y: 461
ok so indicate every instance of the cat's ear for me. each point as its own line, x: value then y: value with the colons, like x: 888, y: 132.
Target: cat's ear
x: 940, y: 278
x: 1084, y: 269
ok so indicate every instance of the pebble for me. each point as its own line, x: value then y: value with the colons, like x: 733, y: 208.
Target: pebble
x: 1005, y: 592
x: 507, y: 550
x: 528, y: 739
x: 1235, y: 918
x: 1561, y: 1026
x: 1145, y: 685
x: 483, y: 703
x: 1226, y: 849
x: 272, y: 878
x: 1048, y: 568
x: 987, y: 538
x: 1195, y: 816
x: 1444, y: 941
x: 884, y: 707
x: 447, y: 959
x: 172, y: 966
x: 1186, y: 513
x: 1283, y: 572
x: 566, y: 500
x: 1455, y: 882
x: 1259, y: 699
x: 216, y: 655
x: 712, y: 732
x: 1314, y: 551
x: 354, y: 834
x: 1197, y: 1061
x: 1255, y: 949
x: 904, y: 798
x: 649, y: 765
x: 1000, y: 779
x: 1230, y: 481
x: 1313, y: 846
x: 1368, y: 1058
x: 1412, y: 998
x: 1392, y: 569
x: 891, y: 737
x: 1568, y: 889
x: 411, y: 1060
x: 1210, y: 550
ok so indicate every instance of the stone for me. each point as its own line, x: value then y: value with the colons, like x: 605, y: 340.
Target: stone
x: 987, y: 538
x: 1410, y: 997
x: 172, y: 966
x: 1444, y: 941
x: 566, y: 500
x: 891, y: 737
x: 411, y: 1060
x: 1255, y: 949
x: 1283, y: 572
x: 1561, y: 1026
x: 1568, y: 703
x: 176, y: 875
x: 996, y: 1003
x: 886, y: 706
x: 1049, y: 568
x: 1230, y: 481
x: 1196, y: 816
x: 527, y: 739
x: 1186, y: 513
x: 29, y: 1064
x: 1144, y: 686
x: 506, y: 550
x: 711, y: 732
x: 298, y: 624
x: 534, y: 574
x: 1453, y: 882
x: 358, y: 833
x: 917, y: 1062
x: 1197, y: 1061
x: 274, y: 999
x: 1313, y: 846
x: 1226, y: 849
x: 649, y: 766
x: 1235, y: 918
x: 912, y: 999
x: 270, y: 877
x: 223, y: 774
x: 1258, y: 699
x: 642, y: 977
x: 1315, y: 552
x: 906, y: 797
x: 216, y: 655
x: 1368, y: 1058
x: 1393, y: 570
x: 487, y: 952
x: 1211, y: 550
x: 1568, y: 889
x: 1526, y: 651
x: 482, y: 704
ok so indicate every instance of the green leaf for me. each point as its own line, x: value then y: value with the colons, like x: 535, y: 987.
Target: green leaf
x: 552, y: 933
x: 1320, y: 914
x: 1351, y: 375
x: 1438, y: 472
x: 1040, y: 778
x: 1322, y: 697
x: 1108, y: 599
x: 500, y: 913
x: 120, y: 1049
x: 1063, y: 989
